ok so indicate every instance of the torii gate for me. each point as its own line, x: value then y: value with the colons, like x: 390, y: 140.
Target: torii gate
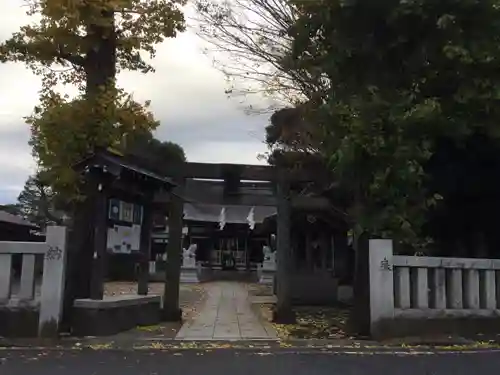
x: 279, y: 180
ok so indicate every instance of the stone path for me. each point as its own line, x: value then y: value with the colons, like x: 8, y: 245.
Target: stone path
x: 226, y: 315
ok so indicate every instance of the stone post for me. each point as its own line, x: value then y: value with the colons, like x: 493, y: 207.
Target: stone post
x: 381, y: 283
x: 268, y: 268
x: 189, y: 269
x: 53, y: 280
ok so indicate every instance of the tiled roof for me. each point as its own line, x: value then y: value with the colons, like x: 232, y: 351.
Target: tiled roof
x: 13, y: 219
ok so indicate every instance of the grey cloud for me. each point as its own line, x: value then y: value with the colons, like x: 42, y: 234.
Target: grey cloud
x: 15, y: 160
x: 14, y: 135
x: 187, y: 98
x: 226, y: 136
x: 8, y: 196
x: 224, y: 127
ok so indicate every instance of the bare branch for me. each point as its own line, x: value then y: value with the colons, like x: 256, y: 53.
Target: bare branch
x: 250, y: 42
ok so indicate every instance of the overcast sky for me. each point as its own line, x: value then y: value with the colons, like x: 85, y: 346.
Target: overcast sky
x: 187, y: 96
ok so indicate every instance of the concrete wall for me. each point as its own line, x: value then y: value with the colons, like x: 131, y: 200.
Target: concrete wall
x: 417, y: 295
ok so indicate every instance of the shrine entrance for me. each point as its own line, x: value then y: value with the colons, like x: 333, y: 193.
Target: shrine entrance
x: 227, y: 185
x: 230, y: 253
x: 227, y: 237
x: 242, y: 198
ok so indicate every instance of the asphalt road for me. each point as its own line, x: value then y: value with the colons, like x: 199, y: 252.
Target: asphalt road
x: 223, y: 362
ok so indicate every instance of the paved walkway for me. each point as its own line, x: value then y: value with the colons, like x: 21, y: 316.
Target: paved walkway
x: 226, y: 315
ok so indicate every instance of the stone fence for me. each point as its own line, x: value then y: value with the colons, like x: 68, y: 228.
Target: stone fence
x: 17, y: 310
x: 417, y: 295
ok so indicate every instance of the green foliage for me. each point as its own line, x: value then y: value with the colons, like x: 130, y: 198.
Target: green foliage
x: 85, y: 43
x: 37, y: 203
x: 62, y: 133
x: 397, y: 76
x: 66, y: 33
x: 41, y: 205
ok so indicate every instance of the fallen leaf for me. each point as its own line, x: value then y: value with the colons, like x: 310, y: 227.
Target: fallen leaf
x: 102, y: 346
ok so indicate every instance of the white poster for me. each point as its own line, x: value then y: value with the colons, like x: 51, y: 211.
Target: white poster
x: 113, y: 243
x: 125, y: 235
x: 124, y: 239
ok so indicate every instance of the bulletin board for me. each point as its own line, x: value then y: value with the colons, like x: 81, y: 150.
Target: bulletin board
x: 124, y: 229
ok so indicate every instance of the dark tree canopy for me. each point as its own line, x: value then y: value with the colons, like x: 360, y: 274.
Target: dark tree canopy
x: 153, y: 153
x: 37, y: 203
x: 397, y: 77
x: 467, y: 175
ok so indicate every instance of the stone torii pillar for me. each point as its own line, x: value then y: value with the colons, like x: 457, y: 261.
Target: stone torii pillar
x: 171, y: 307
x: 145, y: 245
x: 283, y: 312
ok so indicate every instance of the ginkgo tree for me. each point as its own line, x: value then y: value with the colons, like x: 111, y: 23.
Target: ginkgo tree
x: 85, y: 43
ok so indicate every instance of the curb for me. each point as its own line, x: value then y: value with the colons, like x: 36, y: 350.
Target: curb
x: 274, y: 346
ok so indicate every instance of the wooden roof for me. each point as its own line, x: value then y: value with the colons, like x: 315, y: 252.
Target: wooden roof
x: 118, y: 165
x: 249, y: 194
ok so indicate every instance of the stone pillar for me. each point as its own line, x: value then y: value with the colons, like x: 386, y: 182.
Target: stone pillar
x: 145, y: 246
x: 283, y: 312
x: 268, y: 268
x: 189, y: 269
x: 53, y: 280
x: 152, y: 267
x: 171, y: 308
x: 382, y: 284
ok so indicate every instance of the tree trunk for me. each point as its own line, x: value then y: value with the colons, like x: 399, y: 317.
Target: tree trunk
x: 100, y: 60
x: 171, y: 308
x: 100, y: 74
